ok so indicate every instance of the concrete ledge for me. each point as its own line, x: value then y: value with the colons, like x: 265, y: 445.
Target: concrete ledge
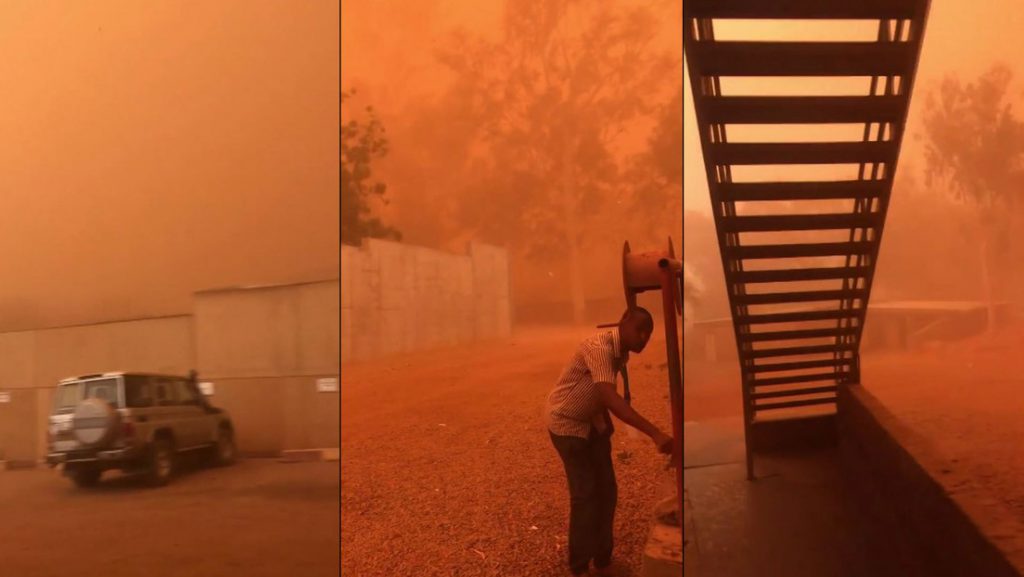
x: 689, y: 539
x: 783, y: 434
x: 259, y: 454
x: 888, y: 468
x: 309, y: 455
x: 663, y: 554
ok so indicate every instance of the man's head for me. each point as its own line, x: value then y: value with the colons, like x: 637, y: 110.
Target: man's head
x: 635, y: 329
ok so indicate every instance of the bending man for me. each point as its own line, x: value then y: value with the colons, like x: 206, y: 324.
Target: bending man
x: 580, y: 428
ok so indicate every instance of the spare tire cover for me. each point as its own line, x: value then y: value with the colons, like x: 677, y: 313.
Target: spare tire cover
x: 94, y: 422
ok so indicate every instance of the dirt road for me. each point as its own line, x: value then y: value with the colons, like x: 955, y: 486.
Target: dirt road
x: 259, y: 518
x: 448, y: 469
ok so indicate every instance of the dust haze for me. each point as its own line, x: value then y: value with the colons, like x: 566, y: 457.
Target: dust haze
x: 154, y: 149
x: 467, y: 161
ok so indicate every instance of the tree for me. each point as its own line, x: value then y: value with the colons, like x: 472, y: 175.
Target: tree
x: 362, y: 142
x: 975, y: 146
x: 656, y: 175
x: 666, y: 143
x: 551, y: 97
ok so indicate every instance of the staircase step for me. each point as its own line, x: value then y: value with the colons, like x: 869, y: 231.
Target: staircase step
x: 798, y: 316
x: 797, y: 351
x: 784, y: 222
x: 802, y: 109
x: 799, y: 250
x: 815, y: 190
x: 797, y: 334
x: 792, y: 379
x: 792, y: 404
x: 798, y: 274
x: 804, y: 9
x: 794, y: 392
x: 714, y: 58
x: 763, y: 153
x: 799, y: 365
x: 799, y: 296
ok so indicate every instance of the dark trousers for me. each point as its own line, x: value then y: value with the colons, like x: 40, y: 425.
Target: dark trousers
x: 592, y: 497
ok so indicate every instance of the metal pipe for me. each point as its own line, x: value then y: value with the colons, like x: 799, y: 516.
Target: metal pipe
x: 675, y: 377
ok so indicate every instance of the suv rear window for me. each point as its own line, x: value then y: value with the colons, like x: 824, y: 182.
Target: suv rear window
x: 69, y: 394
x: 105, y: 389
x: 67, y: 397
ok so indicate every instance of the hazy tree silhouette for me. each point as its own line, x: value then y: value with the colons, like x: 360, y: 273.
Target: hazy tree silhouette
x: 362, y: 142
x: 552, y: 95
x: 656, y: 175
x: 666, y: 143
x: 975, y: 146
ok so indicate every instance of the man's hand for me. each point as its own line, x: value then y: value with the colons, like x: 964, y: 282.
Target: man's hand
x: 613, y: 402
x: 663, y: 442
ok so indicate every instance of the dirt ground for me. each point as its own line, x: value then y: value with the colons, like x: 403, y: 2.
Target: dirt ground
x: 258, y: 518
x: 448, y: 469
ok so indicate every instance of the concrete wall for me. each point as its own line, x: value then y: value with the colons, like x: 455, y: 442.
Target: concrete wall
x: 398, y: 298
x: 263, y: 348
x: 895, y: 475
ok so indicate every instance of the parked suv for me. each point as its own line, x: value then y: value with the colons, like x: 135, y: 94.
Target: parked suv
x: 135, y: 422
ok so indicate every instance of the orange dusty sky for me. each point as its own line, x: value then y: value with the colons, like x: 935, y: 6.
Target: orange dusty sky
x: 962, y: 38
x: 151, y: 149
x: 388, y: 47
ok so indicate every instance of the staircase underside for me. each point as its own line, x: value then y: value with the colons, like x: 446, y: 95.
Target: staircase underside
x: 799, y: 217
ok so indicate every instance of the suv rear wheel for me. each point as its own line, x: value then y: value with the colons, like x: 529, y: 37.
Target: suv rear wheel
x: 224, y: 450
x: 161, y: 462
x: 85, y: 477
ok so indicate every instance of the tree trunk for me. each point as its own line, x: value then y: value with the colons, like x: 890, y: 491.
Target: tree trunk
x: 986, y: 279
x: 572, y: 234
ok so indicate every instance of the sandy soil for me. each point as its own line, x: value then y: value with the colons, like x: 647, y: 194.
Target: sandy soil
x: 259, y: 518
x: 448, y: 469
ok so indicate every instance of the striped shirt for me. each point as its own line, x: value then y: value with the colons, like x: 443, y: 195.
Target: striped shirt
x: 575, y: 402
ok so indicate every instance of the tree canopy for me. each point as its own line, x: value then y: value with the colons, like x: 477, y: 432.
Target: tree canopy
x: 363, y: 141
